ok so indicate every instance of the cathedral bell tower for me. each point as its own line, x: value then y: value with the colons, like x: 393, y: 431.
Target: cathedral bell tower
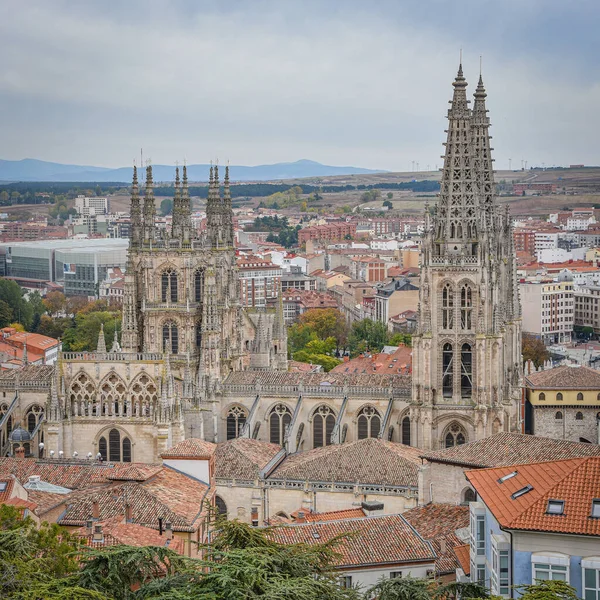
x: 466, y: 356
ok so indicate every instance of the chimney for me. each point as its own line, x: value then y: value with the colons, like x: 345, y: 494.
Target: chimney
x: 443, y: 546
x: 160, y: 526
x: 98, y: 536
x: 96, y: 510
x: 301, y: 518
x: 169, y: 530
x: 128, y: 513
x: 372, y: 507
x: 254, y: 516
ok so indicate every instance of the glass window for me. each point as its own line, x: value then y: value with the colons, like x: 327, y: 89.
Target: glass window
x: 596, y: 509
x: 555, y: 507
x: 395, y: 574
x: 279, y: 419
x: 369, y: 423
x: 236, y: 419
x: 102, y: 448
x: 591, y: 584
x: 544, y: 572
x: 406, y: 431
x: 480, y: 535
x: 503, y: 575
x: 447, y: 371
x: 466, y: 371
x: 346, y: 581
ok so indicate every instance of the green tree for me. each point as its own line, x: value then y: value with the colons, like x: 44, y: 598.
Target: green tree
x: 166, y: 207
x: 548, y: 590
x: 400, y: 339
x: 389, y: 196
x: 326, y: 323
x: 388, y: 204
x: 6, y: 314
x: 367, y: 335
x: 83, y: 332
x: 13, y: 295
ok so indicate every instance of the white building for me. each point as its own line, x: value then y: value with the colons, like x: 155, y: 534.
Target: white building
x: 91, y: 206
x: 548, y: 309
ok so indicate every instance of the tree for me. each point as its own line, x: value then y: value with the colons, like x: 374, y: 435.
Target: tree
x: 6, y: 314
x: 389, y: 196
x: 326, y: 323
x: 400, y: 339
x: 534, y: 349
x: 54, y: 327
x: 548, y: 590
x: 367, y: 335
x: 13, y: 295
x: 55, y: 302
x: 388, y: 204
x: 82, y: 333
x: 166, y: 207
x: 75, y: 304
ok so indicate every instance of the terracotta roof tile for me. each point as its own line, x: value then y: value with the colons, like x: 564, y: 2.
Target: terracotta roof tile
x: 74, y: 474
x: 576, y: 482
x: 130, y: 534
x: 369, y: 461
x: 462, y: 553
x: 510, y: 449
x: 438, y: 524
x: 565, y: 377
x: 169, y: 494
x: 191, y: 448
x: 399, y: 361
x: 386, y: 539
x: 6, y: 487
x: 243, y: 458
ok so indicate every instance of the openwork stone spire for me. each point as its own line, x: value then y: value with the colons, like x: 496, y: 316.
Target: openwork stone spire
x: 186, y: 208
x: 482, y: 158
x: 176, y: 231
x: 135, y: 212
x: 456, y: 219
x: 129, y: 328
x: 149, y: 208
x: 227, y: 210
x: 101, y: 347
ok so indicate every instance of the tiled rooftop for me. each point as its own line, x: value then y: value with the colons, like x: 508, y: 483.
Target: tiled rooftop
x: 575, y: 482
x: 509, y: 449
x: 243, y: 458
x: 386, y: 539
x: 438, y: 524
x: 400, y: 361
x: 369, y: 461
x: 27, y: 373
x: 75, y: 474
x: 169, y: 494
x: 191, y: 448
x: 115, y: 533
x: 462, y: 554
x: 565, y: 378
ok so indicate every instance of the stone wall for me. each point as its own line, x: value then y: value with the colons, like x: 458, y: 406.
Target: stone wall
x: 569, y: 427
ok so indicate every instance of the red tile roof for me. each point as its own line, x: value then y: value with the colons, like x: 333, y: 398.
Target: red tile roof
x: 191, y: 448
x: 438, y: 524
x: 169, y: 494
x: 576, y: 482
x: 333, y: 515
x: 116, y: 533
x: 462, y: 553
x: 7, y: 492
x: 399, y: 361
x: 510, y: 449
x: 386, y: 539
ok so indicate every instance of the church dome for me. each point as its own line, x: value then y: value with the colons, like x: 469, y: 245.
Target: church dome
x: 20, y: 435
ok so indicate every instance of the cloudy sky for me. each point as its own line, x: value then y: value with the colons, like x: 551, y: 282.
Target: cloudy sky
x: 254, y: 81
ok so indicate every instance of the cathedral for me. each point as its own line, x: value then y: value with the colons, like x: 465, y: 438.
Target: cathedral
x: 192, y: 362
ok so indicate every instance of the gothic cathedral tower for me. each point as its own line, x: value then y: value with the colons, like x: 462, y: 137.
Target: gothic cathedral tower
x: 467, y: 350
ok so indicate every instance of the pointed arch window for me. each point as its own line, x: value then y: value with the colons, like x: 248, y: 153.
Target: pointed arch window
x: 198, y: 331
x: 369, y: 423
x: 34, y: 415
x: 466, y: 307
x: 114, y: 445
x: 447, y: 307
x: 466, y: 371
x: 168, y: 282
x: 236, y: 419
x: 199, y: 285
x: 103, y: 448
x: 323, y: 424
x: 455, y: 435
x: 447, y: 370
x: 406, y: 431
x: 279, y: 419
x: 170, y: 337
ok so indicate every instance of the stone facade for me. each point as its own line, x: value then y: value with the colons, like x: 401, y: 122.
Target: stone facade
x: 467, y: 351
x: 183, y: 332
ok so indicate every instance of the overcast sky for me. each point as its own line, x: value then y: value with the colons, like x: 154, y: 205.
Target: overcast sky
x: 341, y: 82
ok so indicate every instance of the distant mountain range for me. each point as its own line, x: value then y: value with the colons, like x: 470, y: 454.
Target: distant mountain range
x: 30, y: 169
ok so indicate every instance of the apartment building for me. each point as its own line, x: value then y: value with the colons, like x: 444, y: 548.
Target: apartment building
x: 92, y: 206
x: 368, y: 268
x: 260, y: 281
x: 548, y: 309
x: 587, y: 307
x: 395, y: 297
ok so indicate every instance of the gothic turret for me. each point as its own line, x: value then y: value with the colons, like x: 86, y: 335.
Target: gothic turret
x: 176, y: 229
x: 129, y: 328
x: 101, y: 347
x: 135, y: 213
x: 149, y: 208
x: 228, y: 236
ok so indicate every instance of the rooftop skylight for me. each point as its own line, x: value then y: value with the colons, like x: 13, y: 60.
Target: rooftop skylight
x: 555, y: 507
x: 507, y: 477
x: 521, y: 492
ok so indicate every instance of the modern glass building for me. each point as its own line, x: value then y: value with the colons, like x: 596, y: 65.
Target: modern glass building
x: 79, y: 265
